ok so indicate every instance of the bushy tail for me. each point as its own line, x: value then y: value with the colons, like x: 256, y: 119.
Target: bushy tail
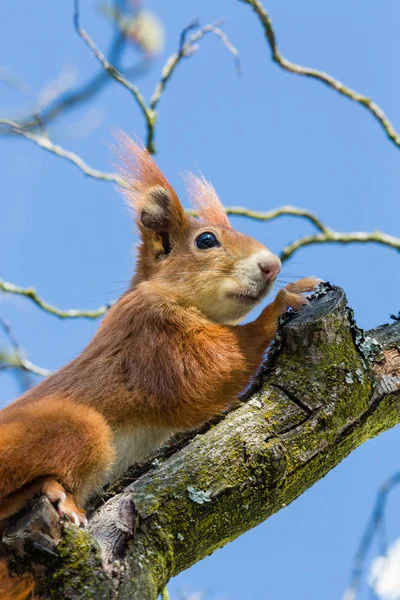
x: 14, y: 587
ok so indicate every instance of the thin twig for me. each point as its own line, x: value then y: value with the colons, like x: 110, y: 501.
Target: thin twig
x: 84, y: 92
x: 44, y: 142
x: 338, y: 237
x: 374, y: 523
x: 71, y: 313
x: 242, y: 211
x: 325, y: 236
x: 117, y: 75
x: 325, y: 78
x: 12, y: 81
x: 18, y: 361
x: 187, y: 47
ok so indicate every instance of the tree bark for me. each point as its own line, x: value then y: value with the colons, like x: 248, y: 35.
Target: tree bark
x: 325, y: 388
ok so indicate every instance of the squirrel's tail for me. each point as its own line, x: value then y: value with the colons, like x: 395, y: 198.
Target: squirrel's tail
x: 14, y: 587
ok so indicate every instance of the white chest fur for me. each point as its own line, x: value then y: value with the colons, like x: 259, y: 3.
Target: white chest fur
x: 132, y: 446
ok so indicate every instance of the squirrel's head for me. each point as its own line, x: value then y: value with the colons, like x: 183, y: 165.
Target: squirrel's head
x: 212, y: 266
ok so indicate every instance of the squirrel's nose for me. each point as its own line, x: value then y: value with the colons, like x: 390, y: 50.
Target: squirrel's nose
x: 270, y: 269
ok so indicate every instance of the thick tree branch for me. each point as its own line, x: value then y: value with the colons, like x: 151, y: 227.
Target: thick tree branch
x: 325, y: 389
x: 325, y: 78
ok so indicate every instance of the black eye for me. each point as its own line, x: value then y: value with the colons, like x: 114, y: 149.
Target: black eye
x: 206, y: 240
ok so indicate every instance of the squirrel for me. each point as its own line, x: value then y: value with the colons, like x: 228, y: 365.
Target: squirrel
x: 169, y: 355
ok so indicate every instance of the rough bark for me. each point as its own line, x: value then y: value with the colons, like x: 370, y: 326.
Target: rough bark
x: 324, y: 390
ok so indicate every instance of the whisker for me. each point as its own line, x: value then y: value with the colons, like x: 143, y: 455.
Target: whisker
x: 179, y: 273
x: 105, y: 293
x: 273, y: 233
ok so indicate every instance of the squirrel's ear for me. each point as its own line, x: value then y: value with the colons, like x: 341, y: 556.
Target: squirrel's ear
x: 156, y: 211
x: 148, y: 193
x: 205, y: 199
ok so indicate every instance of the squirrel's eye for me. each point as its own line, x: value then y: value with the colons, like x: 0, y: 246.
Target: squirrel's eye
x: 206, y: 240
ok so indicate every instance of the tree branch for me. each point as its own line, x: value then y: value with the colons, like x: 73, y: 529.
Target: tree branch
x: 71, y: 313
x: 186, y: 48
x: 44, y: 142
x: 319, y: 396
x: 242, y: 211
x: 114, y: 73
x: 325, y: 78
x: 329, y: 236
x: 325, y: 236
x: 12, y: 81
x: 93, y: 86
x: 373, y: 528
x: 17, y: 360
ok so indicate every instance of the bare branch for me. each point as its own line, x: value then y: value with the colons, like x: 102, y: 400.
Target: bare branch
x: 242, y: 211
x: 187, y: 47
x: 373, y: 526
x: 338, y: 237
x: 44, y: 142
x: 325, y: 236
x: 12, y: 81
x: 18, y: 361
x: 94, y: 84
x: 325, y: 78
x: 119, y: 77
x: 71, y: 313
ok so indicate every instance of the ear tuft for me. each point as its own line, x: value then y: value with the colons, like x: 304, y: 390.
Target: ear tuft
x: 205, y: 199
x: 146, y: 190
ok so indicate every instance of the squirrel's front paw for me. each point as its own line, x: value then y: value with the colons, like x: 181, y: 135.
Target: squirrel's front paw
x: 307, y: 284
x: 291, y: 295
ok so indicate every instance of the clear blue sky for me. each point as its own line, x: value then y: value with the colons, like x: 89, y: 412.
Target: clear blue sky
x: 267, y: 139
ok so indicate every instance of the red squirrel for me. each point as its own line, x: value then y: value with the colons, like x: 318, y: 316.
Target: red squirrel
x: 169, y: 356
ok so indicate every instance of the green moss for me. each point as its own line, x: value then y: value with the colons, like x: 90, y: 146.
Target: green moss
x: 78, y: 572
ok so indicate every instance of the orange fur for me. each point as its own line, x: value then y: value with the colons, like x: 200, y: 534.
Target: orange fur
x: 14, y: 588
x: 205, y: 199
x: 168, y: 356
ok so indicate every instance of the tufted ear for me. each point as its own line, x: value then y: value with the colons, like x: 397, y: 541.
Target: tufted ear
x: 205, y: 199
x: 153, y: 200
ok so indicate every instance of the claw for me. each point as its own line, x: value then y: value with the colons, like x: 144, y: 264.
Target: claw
x: 64, y: 502
x: 84, y: 521
x: 74, y: 518
x: 69, y: 509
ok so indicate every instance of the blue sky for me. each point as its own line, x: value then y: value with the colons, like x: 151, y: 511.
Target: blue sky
x: 266, y: 139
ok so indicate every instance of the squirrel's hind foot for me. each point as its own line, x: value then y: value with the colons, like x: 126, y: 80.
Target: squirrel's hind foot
x: 65, y: 502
